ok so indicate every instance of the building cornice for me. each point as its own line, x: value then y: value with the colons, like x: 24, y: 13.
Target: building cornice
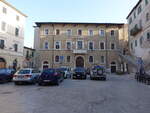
x: 79, y: 23
x: 8, y: 4
x: 134, y: 8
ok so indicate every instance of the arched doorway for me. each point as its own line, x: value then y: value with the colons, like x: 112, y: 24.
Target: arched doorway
x: 79, y: 62
x: 113, y: 67
x: 2, y: 63
x: 45, y: 65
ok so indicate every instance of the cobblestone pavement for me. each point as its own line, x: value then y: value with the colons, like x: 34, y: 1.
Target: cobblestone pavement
x: 119, y: 94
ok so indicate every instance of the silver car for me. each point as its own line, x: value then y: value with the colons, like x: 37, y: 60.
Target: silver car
x: 26, y: 75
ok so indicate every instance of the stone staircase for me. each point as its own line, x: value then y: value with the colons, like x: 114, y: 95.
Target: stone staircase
x: 132, y: 60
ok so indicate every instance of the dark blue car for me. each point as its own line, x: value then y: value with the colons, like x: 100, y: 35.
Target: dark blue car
x: 50, y: 76
x: 6, y: 75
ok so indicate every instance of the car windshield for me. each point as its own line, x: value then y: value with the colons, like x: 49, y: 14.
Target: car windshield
x: 24, y: 72
x: 79, y: 70
x: 49, y: 71
x: 63, y: 69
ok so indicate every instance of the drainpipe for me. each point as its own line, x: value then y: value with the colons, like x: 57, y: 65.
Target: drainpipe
x: 106, y: 48
x: 53, y: 48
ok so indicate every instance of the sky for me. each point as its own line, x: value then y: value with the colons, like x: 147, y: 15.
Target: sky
x: 102, y: 11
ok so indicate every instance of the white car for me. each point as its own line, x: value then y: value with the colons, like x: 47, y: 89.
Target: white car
x: 26, y: 75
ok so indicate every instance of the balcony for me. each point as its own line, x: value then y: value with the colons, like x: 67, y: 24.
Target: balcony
x: 80, y: 51
x: 134, y: 31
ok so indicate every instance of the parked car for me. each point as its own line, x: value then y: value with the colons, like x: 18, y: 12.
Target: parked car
x: 51, y: 76
x: 79, y: 73
x: 66, y: 72
x: 26, y: 75
x: 98, y: 72
x: 6, y: 75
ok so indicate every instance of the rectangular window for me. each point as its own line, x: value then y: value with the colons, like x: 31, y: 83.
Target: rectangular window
x: 46, y: 45
x: 134, y: 14
x: 90, y: 32
x: 130, y: 20
x: 112, y: 46
x: 148, y: 36
x: 69, y: 45
x: 136, y: 43
x: 16, y: 32
x: 16, y: 47
x: 132, y: 46
x: 102, y: 59
x: 102, y: 33
x: 68, y: 58
x: 57, y: 32
x: 2, y: 44
x: 17, y: 18
x: 57, y: 59
x: 46, y: 31
x: 141, y: 40
x: 91, y: 59
x: 91, y: 46
x: 69, y: 32
x: 80, y: 44
x: 146, y: 2
x: 102, y: 46
x: 112, y: 33
x: 79, y: 32
x: 4, y: 10
x: 139, y: 9
x: 57, y: 45
x: 3, y: 26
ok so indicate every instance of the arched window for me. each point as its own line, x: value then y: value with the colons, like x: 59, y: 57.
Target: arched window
x: 45, y: 64
x: 56, y: 58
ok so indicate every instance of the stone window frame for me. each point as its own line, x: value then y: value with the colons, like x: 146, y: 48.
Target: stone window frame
x: 68, y: 32
x: 147, y: 17
x: 67, y: 46
x: 82, y: 44
x: 89, y: 45
x: 57, y: 60
x: 89, y: 32
x: 3, y: 26
x: 100, y: 32
x: 59, y: 45
x: 100, y: 45
x: 112, y: 33
x: 68, y: 59
x: 78, y: 32
x: 57, y: 31
x: 101, y: 59
x: 90, y: 59
x: 111, y: 45
x: 46, y: 31
x: 4, y: 10
x: 44, y: 45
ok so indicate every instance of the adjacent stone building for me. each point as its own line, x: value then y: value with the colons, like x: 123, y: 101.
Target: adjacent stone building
x: 139, y: 30
x: 28, y: 54
x: 12, y: 23
x: 72, y: 44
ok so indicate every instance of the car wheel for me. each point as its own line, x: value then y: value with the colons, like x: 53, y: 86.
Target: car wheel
x: 17, y: 83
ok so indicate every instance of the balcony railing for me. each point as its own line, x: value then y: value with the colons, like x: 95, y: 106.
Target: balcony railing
x: 80, y: 51
x: 134, y: 31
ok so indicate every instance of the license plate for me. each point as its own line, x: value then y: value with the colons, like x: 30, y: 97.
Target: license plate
x: 78, y: 75
x: 46, y: 80
x: 20, y: 77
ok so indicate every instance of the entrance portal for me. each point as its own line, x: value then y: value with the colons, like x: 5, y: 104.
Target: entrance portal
x: 113, y: 67
x: 2, y: 63
x: 79, y: 62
